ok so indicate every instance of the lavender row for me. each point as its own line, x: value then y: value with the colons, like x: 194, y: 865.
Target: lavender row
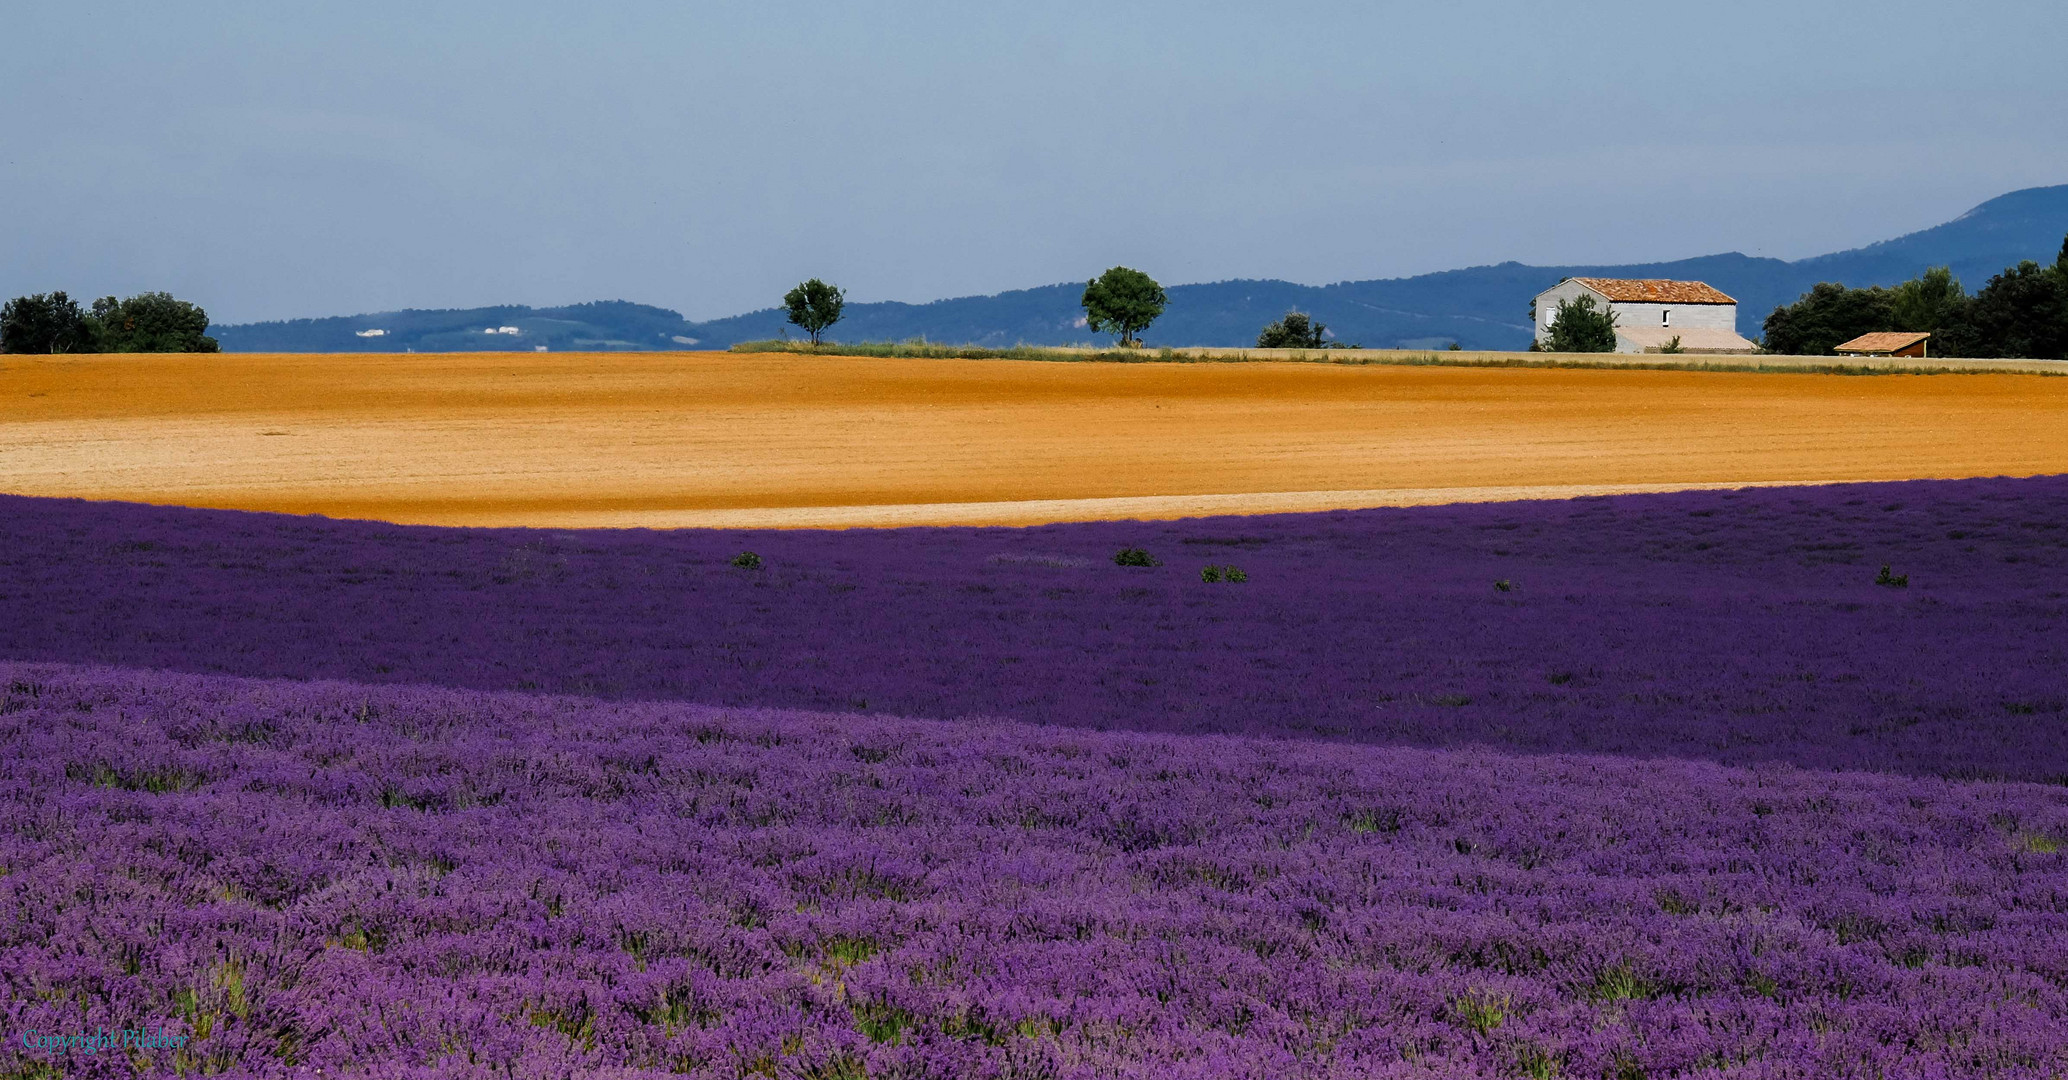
x: 1736, y: 627
x: 421, y: 882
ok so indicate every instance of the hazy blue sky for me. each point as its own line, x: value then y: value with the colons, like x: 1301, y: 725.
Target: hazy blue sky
x: 273, y: 160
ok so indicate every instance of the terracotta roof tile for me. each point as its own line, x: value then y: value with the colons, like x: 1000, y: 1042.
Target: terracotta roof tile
x: 1654, y: 291
x: 1886, y: 341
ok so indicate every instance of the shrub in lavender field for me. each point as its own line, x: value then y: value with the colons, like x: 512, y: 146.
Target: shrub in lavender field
x: 1218, y: 573
x: 747, y: 560
x: 423, y: 882
x: 1134, y: 556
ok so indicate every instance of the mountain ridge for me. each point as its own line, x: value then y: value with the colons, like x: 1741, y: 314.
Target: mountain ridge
x: 1479, y: 307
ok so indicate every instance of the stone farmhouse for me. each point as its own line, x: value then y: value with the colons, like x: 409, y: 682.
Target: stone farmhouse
x: 1651, y: 313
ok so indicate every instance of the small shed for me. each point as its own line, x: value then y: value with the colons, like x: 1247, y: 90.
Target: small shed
x: 1895, y: 343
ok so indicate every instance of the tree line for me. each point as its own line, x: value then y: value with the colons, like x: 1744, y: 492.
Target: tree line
x: 1122, y: 301
x: 146, y: 322
x: 2022, y: 312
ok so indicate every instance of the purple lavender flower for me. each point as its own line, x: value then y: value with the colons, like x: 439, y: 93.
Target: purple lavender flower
x: 431, y: 882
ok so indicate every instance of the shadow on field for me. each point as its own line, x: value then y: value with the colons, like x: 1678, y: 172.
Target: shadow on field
x: 1733, y: 626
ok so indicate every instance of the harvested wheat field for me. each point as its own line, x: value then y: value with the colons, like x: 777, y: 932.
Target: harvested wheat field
x: 719, y: 439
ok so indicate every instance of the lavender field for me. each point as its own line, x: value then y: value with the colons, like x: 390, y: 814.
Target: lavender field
x: 1633, y: 788
x: 1735, y: 627
x: 407, y: 882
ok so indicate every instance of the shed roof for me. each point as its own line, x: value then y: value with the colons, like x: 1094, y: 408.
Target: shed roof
x: 1655, y: 291
x: 1883, y: 342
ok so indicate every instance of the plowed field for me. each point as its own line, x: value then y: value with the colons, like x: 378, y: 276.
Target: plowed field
x: 722, y: 439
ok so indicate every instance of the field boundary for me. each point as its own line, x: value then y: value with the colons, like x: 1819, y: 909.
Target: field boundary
x: 1811, y: 365
x: 1028, y: 513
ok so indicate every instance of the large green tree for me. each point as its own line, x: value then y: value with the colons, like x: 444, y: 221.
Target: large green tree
x: 1827, y: 316
x: 1123, y: 301
x: 1581, y: 327
x: 814, y: 305
x: 44, y: 323
x: 147, y: 322
x: 150, y: 322
x: 1295, y: 331
x: 1927, y: 303
x: 2022, y: 312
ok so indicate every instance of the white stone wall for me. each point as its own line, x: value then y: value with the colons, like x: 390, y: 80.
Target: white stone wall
x: 1678, y: 316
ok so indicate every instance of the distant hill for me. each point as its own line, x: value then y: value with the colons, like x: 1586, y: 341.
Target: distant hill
x: 1978, y: 244
x: 603, y: 326
x: 1484, y: 307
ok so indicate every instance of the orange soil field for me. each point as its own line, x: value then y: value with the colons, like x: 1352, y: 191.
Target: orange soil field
x: 719, y: 439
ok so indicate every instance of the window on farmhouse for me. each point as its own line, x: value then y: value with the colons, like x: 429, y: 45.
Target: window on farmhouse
x: 1666, y: 317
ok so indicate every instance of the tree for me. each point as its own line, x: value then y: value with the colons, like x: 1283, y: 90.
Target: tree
x: 44, y: 323
x: 2022, y: 312
x: 1124, y: 302
x: 814, y: 306
x: 1827, y: 316
x: 1927, y: 303
x: 1581, y: 327
x: 150, y: 322
x: 1295, y: 331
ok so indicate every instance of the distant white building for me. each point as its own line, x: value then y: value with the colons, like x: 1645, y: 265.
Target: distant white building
x: 1651, y: 313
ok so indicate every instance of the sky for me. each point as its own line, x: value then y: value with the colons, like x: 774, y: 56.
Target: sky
x: 271, y: 160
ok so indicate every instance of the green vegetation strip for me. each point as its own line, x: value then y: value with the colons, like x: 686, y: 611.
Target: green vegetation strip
x: 1402, y: 358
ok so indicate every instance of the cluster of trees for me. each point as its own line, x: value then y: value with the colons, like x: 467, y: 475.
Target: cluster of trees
x: 2022, y: 312
x: 147, y: 322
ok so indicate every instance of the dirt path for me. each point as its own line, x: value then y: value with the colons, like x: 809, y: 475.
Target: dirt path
x: 720, y: 439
